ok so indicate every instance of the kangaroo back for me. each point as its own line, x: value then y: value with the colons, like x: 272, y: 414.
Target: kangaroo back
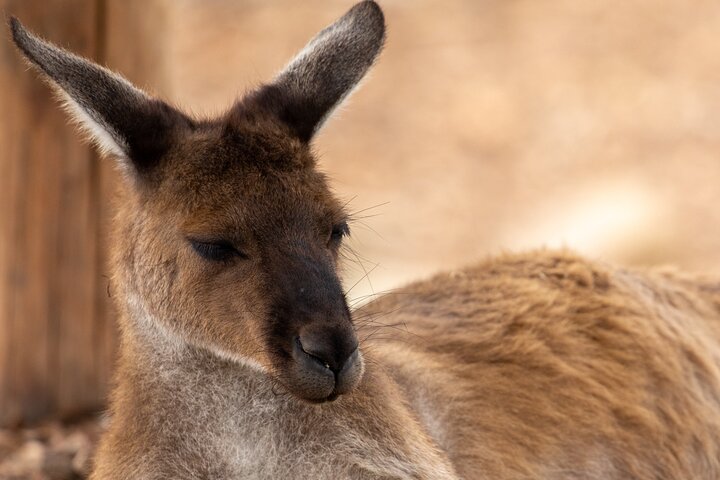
x: 546, y: 365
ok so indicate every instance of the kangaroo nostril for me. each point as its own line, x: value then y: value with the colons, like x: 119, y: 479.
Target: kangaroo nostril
x: 328, y: 347
x: 312, y: 354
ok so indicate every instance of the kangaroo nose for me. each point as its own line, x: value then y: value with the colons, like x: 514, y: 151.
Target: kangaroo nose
x: 331, y: 351
x: 332, y: 355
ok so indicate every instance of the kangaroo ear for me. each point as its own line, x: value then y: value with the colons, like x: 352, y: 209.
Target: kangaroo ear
x: 325, y: 72
x: 121, y: 119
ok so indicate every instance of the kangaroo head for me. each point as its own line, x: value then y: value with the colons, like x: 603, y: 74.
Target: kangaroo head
x: 227, y: 238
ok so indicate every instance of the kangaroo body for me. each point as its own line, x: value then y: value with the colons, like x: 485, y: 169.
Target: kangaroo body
x: 549, y: 366
x: 240, y: 358
x: 542, y: 365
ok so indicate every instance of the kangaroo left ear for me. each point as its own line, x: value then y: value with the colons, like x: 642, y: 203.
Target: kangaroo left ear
x: 120, y: 118
x: 326, y: 71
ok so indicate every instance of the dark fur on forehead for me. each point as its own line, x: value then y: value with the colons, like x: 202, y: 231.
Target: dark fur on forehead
x: 238, y: 157
x: 250, y: 145
x: 264, y: 141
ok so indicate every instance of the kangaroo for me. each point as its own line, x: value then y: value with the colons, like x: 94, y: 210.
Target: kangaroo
x: 240, y: 357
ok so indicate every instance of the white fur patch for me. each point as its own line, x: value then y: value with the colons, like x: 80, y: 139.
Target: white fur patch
x: 152, y: 327
x: 102, y: 136
x: 240, y: 360
x: 149, y: 325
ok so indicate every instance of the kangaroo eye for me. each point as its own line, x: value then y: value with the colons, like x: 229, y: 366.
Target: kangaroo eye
x: 339, y: 231
x: 215, y: 250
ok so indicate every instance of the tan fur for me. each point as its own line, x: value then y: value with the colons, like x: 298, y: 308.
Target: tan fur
x: 547, y: 365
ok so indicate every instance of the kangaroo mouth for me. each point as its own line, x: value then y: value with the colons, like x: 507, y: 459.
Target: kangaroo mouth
x: 311, y: 375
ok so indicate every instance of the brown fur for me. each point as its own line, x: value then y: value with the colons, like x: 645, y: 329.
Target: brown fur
x: 225, y: 255
x: 547, y: 365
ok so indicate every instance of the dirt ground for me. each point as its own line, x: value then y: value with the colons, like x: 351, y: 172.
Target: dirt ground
x: 50, y: 451
x: 487, y: 125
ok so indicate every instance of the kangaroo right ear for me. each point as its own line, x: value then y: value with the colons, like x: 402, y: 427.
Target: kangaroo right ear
x: 121, y: 119
x: 326, y: 71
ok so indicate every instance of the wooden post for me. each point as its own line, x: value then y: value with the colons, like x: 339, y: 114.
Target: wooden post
x: 56, y: 339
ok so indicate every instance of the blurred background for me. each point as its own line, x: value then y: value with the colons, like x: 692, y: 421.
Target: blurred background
x: 487, y: 126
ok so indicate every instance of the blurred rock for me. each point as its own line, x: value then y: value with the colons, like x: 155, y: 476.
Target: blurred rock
x: 57, y: 465
x: 51, y: 451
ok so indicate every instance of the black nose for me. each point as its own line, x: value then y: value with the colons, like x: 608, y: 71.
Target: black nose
x: 328, y: 358
x: 330, y: 350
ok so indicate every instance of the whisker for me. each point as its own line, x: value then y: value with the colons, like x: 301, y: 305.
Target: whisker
x: 367, y: 227
x: 353, y: 214
x: 363, y: 278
